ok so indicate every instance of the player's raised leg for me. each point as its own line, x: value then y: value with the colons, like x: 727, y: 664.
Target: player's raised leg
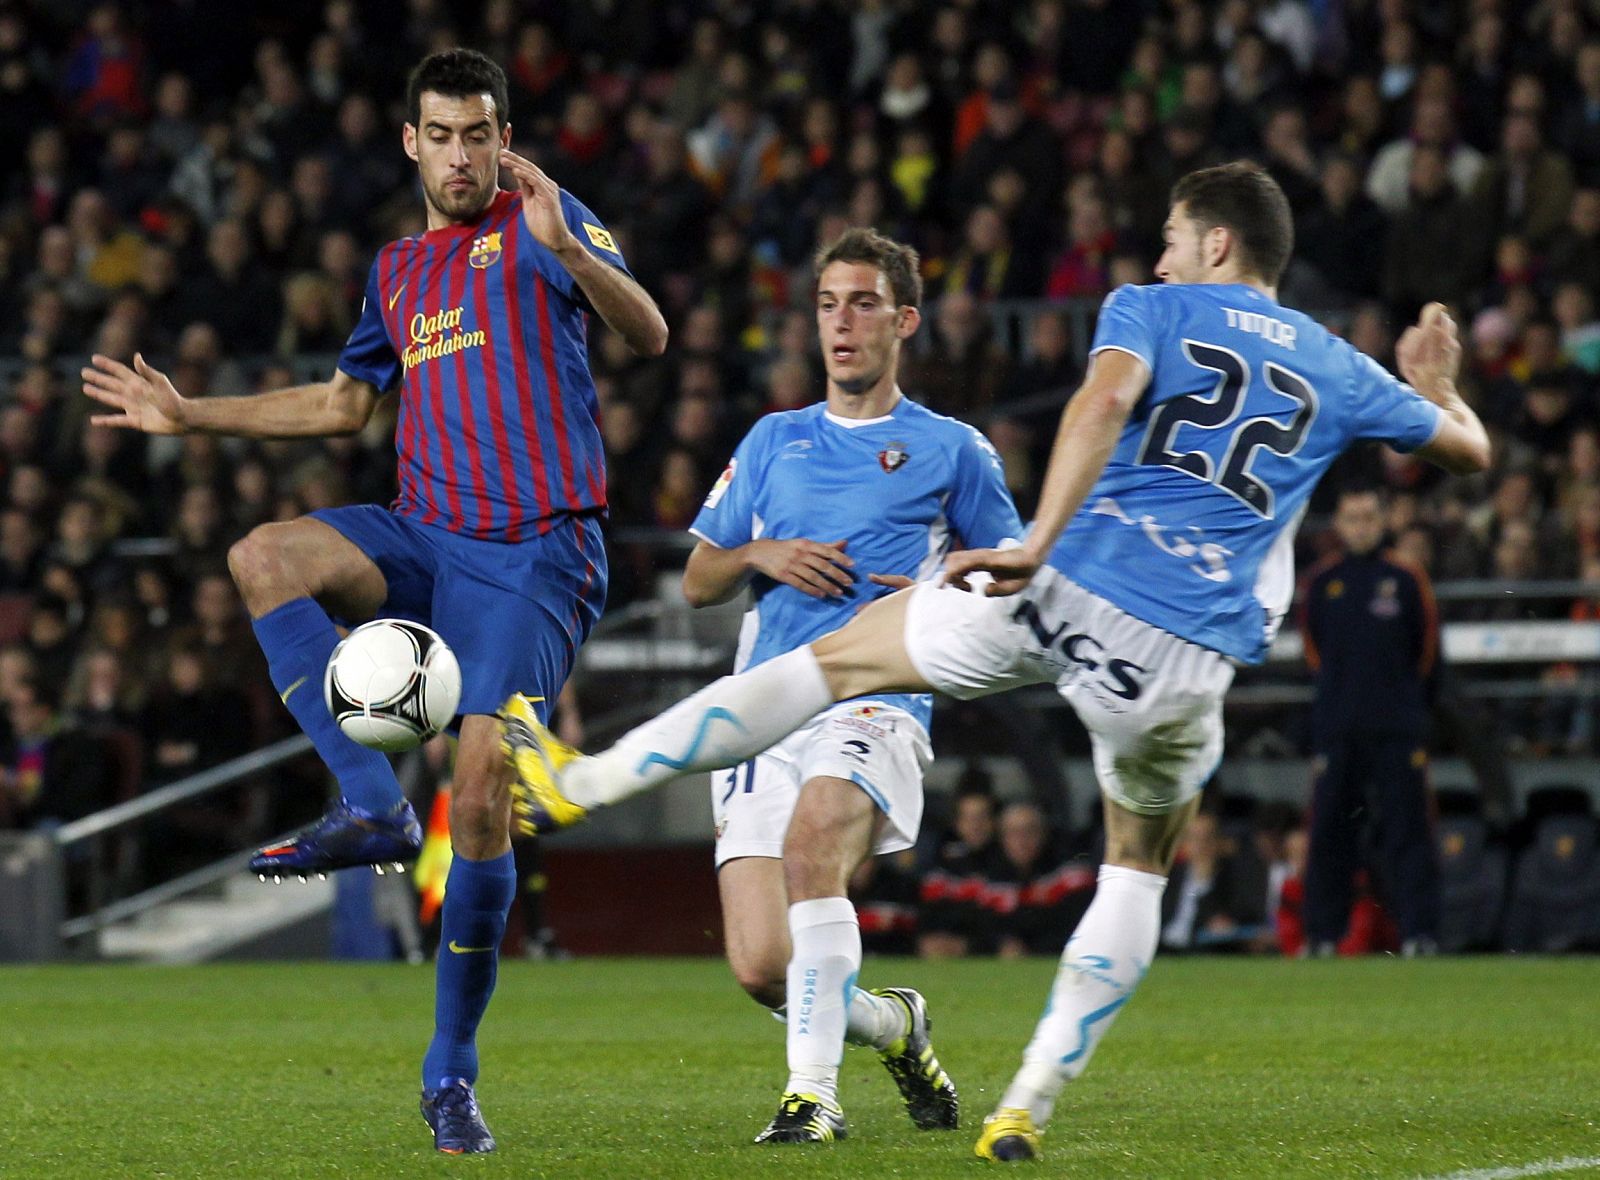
x: 478, y: 896
x: 286, y: 573
x: 1105, y: 959
x: 729, y: 721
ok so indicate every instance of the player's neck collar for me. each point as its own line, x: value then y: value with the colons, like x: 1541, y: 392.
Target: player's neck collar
x: 857, y: 423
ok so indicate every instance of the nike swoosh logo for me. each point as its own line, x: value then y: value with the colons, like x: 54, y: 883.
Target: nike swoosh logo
x: 457, y: 949
x: 289, y: 692
x: 395, y: 298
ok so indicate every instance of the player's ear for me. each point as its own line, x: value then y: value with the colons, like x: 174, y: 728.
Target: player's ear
x: 1218, y: 245
x: 505, y: 136
x: 906, y: 326
x: 408, y: 137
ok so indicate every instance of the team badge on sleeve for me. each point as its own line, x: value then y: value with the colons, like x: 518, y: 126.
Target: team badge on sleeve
x: 601, y: 238
x: 485, y: 251
x: 720, y: 488
x: 893, y: 457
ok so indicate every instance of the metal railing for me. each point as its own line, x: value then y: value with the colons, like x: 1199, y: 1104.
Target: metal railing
x: 91, y: 831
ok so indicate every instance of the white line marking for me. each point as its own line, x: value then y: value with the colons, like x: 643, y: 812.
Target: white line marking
x: 1571, y: 1163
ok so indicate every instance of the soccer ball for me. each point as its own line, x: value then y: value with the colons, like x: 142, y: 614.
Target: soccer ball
x: 391, y: 684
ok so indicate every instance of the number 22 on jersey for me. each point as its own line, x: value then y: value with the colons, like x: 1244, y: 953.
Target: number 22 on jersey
x: 1219, y: 413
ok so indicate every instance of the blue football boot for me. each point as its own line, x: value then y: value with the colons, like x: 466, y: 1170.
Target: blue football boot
x: 458, y: 1126
x: 345, y: 837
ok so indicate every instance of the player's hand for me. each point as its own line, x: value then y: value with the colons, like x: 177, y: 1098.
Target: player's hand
x: 142, y: 396
x: 898, y: 581
x: 1011, y: 569
x: 811, y: 567
x: 894, y: 581
x: 541, y: 203
x: 1429, y: 352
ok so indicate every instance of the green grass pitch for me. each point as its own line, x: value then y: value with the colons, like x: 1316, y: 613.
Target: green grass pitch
x: 661, y: 1068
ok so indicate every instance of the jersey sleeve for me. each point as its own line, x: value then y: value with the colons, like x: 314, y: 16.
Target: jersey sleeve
x: 980, y: 509
x: 368, y: 356
x: 1388, y: 409
x: 727, y: 518
x: 1127, y: 323
x: 593, y: 236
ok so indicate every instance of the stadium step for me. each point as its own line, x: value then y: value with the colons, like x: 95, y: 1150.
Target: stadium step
x: 204, y: 927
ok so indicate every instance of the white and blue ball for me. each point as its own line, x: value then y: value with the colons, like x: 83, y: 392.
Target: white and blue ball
x: 392, y: 684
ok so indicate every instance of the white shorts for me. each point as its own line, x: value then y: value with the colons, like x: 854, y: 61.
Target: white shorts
x: 1152, y: 702
x: 880, y: 748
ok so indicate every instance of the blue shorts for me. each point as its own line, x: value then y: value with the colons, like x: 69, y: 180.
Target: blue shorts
x: 513, y: 613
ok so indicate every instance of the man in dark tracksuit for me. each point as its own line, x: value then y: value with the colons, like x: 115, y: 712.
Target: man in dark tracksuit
x: 1371, y: 638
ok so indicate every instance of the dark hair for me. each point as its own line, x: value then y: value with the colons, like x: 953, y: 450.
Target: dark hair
x: 457, y: 73
x: 1242, y: 198
x: 899, y: 263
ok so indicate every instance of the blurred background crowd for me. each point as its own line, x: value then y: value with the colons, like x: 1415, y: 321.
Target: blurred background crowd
x: 207, y: 183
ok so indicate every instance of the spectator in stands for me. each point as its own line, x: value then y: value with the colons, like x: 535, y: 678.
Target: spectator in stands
x: 950, y: 918
x: 1208, y: 904
x: 1011, y: 139
x: 21, y: 551
x: 191, y: 724
x: 1033, y: 897
x: 313, y: 317
x: 1526, y: 189
x: 1372, y: 637
x: 1335, y: 236
x: 101, y: 695
x: 1050, y: 367
x: 963, y: 370
x: 50, y: 773
x: 1082, y: 269
x: 1423, y: 252
x: 885, y: 892
x: 1391, y: 181
x: 988, y: 264
x: 220, y: 633
x: 232, y: 296
x: 678, y: 489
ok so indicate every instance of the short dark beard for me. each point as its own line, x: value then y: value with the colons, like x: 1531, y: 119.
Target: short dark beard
x: 437, y: 202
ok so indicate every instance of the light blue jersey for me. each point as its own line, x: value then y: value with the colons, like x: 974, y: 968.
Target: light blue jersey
x: 902, y: 490
x: 1191, y: 526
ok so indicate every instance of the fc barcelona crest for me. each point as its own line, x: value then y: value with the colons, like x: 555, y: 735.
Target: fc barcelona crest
x: 893, y: 457
x: 485, y: 251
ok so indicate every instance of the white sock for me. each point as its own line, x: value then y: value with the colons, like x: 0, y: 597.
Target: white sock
x: 1104, y: 961
x: 874, y: 1020
x: 725, y: 723
x: 822, y: 978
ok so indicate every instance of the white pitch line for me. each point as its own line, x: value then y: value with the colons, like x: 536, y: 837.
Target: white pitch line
x: 1571, y: 1163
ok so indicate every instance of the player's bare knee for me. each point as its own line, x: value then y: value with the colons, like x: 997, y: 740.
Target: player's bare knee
x: 479, y: 820
x: 812, y: 870
x: 259, y: 568
x: 761, y: 983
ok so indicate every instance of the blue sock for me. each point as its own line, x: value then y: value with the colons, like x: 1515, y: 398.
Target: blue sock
x: 477, y: 897
x: 298, y: 638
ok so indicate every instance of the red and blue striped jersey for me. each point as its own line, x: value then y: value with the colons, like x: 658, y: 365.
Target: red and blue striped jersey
x: 498, y: 435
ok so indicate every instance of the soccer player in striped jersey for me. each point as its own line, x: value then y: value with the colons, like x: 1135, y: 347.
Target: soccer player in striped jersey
x: 494, y: 538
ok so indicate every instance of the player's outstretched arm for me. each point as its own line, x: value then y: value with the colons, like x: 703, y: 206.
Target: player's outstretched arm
x: 714, y: 575
x: 623, y: 304
x: 1086, y: 438
x: 1429, y: 353
x: 143, y: 398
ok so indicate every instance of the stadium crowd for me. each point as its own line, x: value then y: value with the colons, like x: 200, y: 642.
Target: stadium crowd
x: 206, y: 183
